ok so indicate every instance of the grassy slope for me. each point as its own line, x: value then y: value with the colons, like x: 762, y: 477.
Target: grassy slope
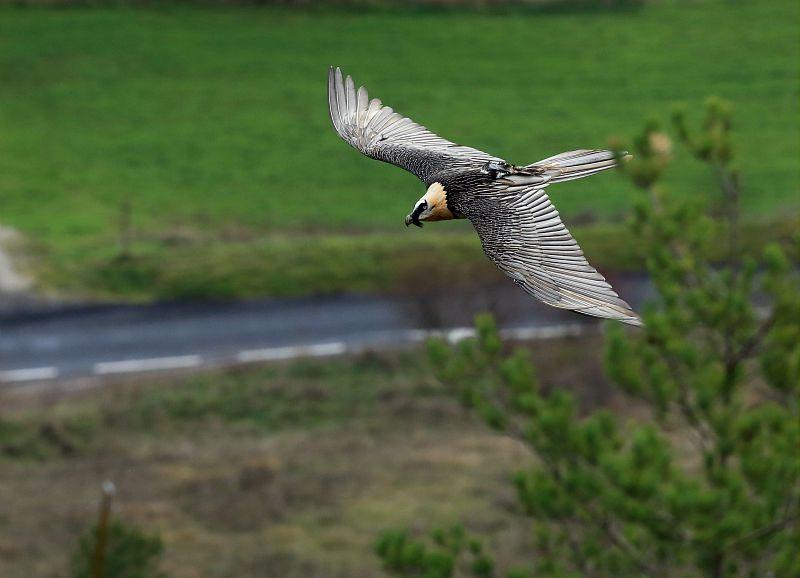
x: 288, y: 471
x: 288, y: 265
x: 214, y: 121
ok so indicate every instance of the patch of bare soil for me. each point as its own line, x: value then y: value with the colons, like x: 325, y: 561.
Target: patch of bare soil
x: 12, y: 280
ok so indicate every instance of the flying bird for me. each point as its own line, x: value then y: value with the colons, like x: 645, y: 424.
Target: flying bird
x: 519, y: 228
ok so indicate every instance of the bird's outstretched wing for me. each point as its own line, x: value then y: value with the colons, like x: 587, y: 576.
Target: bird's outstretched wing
x: 521, y: 231
x: 382, y: 134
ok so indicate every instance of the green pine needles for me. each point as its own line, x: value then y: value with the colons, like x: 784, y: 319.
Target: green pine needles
x: 710, y: 486
x: 130, y: 553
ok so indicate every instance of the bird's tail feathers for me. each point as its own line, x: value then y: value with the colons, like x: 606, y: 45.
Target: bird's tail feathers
x: 576, y: 164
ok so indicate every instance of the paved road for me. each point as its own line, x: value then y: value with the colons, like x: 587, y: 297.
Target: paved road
x: 103, y: 340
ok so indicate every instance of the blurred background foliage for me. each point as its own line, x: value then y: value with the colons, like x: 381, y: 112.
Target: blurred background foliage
x: 187, y: 151
x: 711, y: 485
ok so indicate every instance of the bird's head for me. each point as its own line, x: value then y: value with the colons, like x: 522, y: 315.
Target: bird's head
x: 431, y: 207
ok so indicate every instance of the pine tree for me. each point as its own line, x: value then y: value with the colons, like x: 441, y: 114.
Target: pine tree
x: 718, y: 362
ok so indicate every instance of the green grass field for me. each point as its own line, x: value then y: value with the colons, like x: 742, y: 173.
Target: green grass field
x: 213, y: 122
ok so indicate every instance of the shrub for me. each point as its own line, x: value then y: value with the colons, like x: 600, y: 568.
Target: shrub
x: 130, y: 553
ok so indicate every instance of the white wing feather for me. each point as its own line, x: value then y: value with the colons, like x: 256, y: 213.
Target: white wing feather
x: 381, y: 133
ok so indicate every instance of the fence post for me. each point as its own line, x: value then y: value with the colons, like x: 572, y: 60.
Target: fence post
x: 101, y: 538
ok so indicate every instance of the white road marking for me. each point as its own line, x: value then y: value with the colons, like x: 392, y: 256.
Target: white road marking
x: 452, y: 335
x: 551, y: 332
x: 521, y: 333
x: 291, y: 352
x: 153, y: 364
x: 414, y: 335
x: 392, y: 336
x: 29, y: 374
x: 459, y: 334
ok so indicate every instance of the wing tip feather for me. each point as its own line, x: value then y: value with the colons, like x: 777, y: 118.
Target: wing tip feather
x: 633, y: 321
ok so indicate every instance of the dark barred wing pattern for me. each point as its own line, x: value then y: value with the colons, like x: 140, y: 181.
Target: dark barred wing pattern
x: 521, y: 231
x: 382, y: 134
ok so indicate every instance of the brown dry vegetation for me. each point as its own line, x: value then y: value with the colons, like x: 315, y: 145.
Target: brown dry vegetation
x: 290, y: 470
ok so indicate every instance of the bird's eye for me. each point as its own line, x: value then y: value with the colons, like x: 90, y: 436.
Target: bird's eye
x: 424, y: 205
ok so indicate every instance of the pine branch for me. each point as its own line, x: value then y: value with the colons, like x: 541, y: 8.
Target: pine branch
x: 763, y: 532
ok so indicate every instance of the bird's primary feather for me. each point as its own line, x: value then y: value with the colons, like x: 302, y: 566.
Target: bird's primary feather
x: 382, y: 134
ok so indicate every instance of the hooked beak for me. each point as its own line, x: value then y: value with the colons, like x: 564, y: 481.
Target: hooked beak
x: 413, y: 218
